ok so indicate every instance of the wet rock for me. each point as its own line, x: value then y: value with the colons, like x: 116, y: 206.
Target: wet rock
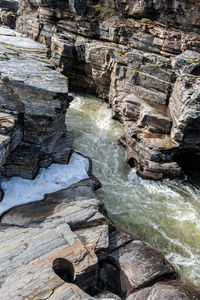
x: 166, y: 290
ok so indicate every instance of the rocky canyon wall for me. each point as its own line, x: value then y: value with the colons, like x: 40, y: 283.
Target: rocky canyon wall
x: 142, y: 56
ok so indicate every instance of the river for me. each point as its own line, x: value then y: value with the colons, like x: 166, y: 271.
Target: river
x: 164, y: 214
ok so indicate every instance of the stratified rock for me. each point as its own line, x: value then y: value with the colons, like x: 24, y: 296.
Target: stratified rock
x: 33, y: 105
x: 184, y: 103
x: 8, y: 12
x: 11, y: 134
x: 118, y: 49
x: 172, y: 290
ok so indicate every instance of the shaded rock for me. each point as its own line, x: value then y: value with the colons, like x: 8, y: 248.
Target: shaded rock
x: 11, y: 5
x: 24, y: 162
x: 8, y: 12
x: 78, y: 6
x: 1, y: 195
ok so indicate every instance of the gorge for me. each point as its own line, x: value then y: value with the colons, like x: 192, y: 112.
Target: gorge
x: 142, y: 58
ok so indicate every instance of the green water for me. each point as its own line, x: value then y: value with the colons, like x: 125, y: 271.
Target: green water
x: 166, y: 215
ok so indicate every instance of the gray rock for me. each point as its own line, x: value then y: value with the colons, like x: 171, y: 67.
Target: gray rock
x: 33, y: 101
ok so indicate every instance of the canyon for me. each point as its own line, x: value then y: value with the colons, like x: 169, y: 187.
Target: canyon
x: 143, y: 58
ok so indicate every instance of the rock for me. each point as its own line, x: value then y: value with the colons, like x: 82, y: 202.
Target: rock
x: 78, y: 6
x: 8, y: 12
x: 184, y: 102
x: 11, y: 5
x: 166, y: 290
x: 135, y: 263
x: 107, y: 296
x: 33, y: 103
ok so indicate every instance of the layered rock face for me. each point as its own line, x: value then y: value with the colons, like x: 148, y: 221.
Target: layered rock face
x: 33, y: 103
x: 143, y: 57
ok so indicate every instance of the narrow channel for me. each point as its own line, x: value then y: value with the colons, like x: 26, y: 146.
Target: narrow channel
x: 164, y: 214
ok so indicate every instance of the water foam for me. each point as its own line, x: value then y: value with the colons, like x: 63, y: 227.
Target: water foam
x: 18, y: 191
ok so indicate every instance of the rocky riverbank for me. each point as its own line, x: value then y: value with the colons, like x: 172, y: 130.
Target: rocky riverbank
x: 142, y: 56
x: 64, y: 247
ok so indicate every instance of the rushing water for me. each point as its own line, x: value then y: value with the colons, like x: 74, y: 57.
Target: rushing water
x: 164, y: 214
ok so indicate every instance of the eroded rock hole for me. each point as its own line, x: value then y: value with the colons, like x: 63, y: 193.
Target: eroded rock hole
x: 64, y: 269
x: 196, y: 71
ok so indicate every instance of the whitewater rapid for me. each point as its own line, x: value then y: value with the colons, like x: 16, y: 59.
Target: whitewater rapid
x: 164, y: 214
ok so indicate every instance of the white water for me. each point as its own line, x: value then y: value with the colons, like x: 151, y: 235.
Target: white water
x: 18, y: 191
x: 164, y: 214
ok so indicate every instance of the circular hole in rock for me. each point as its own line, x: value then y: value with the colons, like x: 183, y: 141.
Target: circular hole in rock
x: 64, y: 269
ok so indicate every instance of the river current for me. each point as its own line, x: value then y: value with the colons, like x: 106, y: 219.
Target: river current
x: 164, y: 214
